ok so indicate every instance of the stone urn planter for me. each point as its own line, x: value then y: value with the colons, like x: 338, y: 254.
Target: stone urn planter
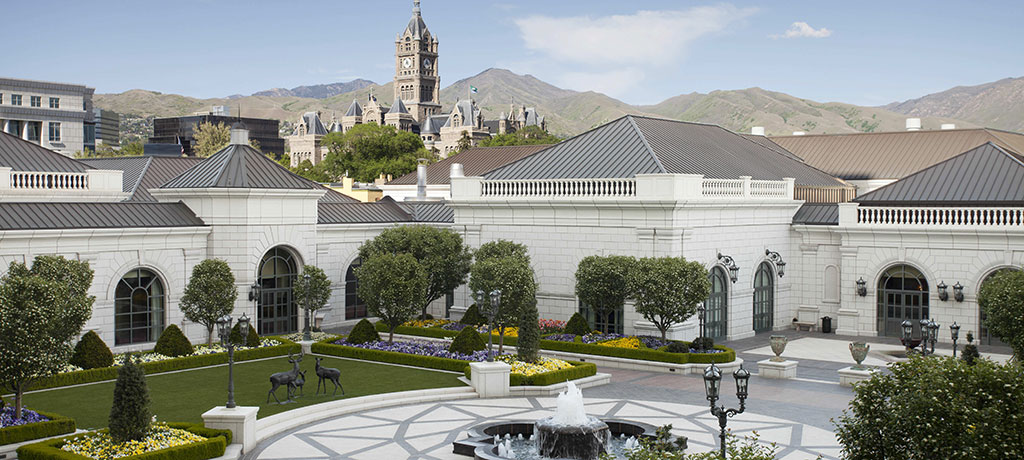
x: 859, y: 350
x: 778, y: 343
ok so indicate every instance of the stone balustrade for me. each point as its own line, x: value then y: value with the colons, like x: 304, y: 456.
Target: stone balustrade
x: 659, y: 187
x: 90, y: 185
x: 851, y: 214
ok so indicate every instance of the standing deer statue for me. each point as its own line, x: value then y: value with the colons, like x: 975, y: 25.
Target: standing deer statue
x: 328, y: 373
x: 299, y: 382
x: 285, y: 378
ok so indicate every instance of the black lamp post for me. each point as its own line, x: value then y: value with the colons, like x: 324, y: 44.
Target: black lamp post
x: 908, y: 332
x: 777, y: 260
x: 482, y: 304
x: 924, y: 336
x: 224, y: 329
x: 712, y: 385
x: 496, y: 309
x: 954, y: 332
x: 862, y: 287
x: 729, y: 263
x: 700, y: 317
x: 306, y: 330
x: 933, y: 335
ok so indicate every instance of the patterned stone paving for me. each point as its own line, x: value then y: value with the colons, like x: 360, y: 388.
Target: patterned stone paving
x: 426, y: 431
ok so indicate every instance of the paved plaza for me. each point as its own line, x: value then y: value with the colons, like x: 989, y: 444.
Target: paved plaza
x: 795, y: 414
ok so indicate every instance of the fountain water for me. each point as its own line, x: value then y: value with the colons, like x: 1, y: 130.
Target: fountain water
x: 571, y: 433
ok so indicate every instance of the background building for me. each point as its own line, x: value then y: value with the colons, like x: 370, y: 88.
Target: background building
x: 175, y: 130
x: 108, y: 127
x: 57, y: 116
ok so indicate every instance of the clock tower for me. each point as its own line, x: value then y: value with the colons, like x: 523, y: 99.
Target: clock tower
x: 417, y: 82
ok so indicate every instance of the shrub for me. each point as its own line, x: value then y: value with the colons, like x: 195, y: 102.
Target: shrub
x: 678, y: 347
x: 363, y: 332
x: 577, y: 325
x: 970, y: 353
x: 172, y: 342
x: 467, y: 342
x: 91, y: 352
x: 666, y: 290
x: 58, y: 424
x: 252, y: 339
x: 1002, y: 300
x: 209, y: 295
x: 529, y: 333
x: 936, y: 408
x: 707, y: 342
x: 472, y: 317
x: 129, y: 415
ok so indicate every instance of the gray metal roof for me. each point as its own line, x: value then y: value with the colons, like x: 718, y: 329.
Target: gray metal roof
x: 983, y: 176
x: 398, y: 106
x: 417, y: 28
x: 431, y: 211
x: 634, y: 145
x: 354, y: 110
x: 240, y: 166
x: 475, y: 161
x: 313, y: 124
x: 387, y: 210
x: 432, y: 124
x: 817, y: 214
x: 132, y: 167
x: 52, y: 216
x: 21, y: 155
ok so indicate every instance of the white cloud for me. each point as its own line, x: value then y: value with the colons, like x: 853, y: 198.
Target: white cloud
x: 615, y: 83
x: 645, y: 38
x: 802, y: 29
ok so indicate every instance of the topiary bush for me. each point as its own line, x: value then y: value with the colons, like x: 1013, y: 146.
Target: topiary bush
x: 528, y: 345
x: 970, y: 353
x: 252, y: 340
x: 172, y: 342
x: 472, y: 317
x: 577, y: 325
x: 708, y: 343
x: 467, y: 342
x: 363, y: 332
x: 678, y: 347
x: 91, y: 353
x: 129, y: 415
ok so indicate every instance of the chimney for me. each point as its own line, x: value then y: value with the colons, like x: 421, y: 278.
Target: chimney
x: 457, y: 170
x: 798, y: 133
x: 239, y: 134
x: 947, y: 126
x: 913, y: 124
x: 757, y: 130
x: 421, y: 179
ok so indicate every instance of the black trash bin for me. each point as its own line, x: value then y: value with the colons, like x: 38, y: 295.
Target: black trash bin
x: 826, y: 325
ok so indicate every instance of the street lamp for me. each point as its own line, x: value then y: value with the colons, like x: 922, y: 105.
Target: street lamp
x: 496, y: 311
x: 481, y: 305
x: 954, y: 331
x: 306, y: 336
x: 924, y: 336
x: 224, y: 329
x: 712, y: 386
x: 777, y: 260
x: 933, y: 334
x: 700, y: 317
x: 908, y: 332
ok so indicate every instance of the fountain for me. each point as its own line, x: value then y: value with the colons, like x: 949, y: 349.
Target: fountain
x: 569, y: 434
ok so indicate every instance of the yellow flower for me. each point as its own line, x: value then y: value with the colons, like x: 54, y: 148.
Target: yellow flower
x: 625, y: 342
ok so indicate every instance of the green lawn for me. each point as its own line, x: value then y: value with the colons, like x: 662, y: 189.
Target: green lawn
x: 184, y: 396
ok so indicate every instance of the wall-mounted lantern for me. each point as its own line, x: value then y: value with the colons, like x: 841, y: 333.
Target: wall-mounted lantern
x: 943, y: 295
x: 958, y: 292
x: 729, y: 263
x: 862, y: 287
x: 777, y: 260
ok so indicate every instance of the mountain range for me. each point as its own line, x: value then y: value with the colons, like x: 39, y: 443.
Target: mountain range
x: 998, y: 104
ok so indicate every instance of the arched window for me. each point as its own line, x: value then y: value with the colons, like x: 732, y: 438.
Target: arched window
x: 717, y: 306
x: 984, y: 337
x: 278, y: 313
x: 138, y: 308
x: 902, y: 295
x: 355, y: 308
x: 764, y: 297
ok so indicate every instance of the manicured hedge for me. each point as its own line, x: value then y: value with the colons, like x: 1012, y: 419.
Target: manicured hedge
x: 216, y: 442
x: 174, y: 364
x: 438, y: 333
x: 58, y: 424
x: 577, y: 371
x: 393, y: 357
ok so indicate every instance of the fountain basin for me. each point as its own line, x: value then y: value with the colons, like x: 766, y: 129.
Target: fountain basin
x: 584, y: 441
x: 480, y: 443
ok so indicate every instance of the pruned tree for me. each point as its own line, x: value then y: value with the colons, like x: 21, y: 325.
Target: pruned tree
x: 528, y: 345
x: 1002, y: 300
x: 315, y: 293
x: 601, y: 283
x: 501, y: 248
x: 667, y: 289
x: 393, y: 286
x: 513, y: 276
x: 210, y: 138
x: 210, y: 294
x: 42, y: 310
x: 129, y: 414
x: 368, y: 150
x: 445, y: 259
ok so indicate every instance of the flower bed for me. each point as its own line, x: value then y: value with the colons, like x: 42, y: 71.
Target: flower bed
x: 417, y: 347
x: 173, y: 441
x: 158, y: 363
x: 316, y: 336
x: 33, y: 425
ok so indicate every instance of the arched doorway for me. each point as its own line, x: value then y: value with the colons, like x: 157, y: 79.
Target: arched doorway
x: 984, y: 337
x: 764, y: 297
x: 902, y: 295
x: 355, y: 308
x: 717, y: 306
x: 277, y: 311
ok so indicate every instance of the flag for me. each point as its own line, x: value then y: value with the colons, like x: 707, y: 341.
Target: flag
x: 472, y: 89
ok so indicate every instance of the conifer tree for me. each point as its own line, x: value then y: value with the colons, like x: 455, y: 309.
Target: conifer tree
x: 129, y: 415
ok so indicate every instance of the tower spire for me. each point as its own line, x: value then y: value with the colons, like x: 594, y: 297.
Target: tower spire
x: 415, y: 7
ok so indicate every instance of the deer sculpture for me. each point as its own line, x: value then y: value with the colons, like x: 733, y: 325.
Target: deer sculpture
x: 285, y: 378
x: 299, y: 382
x: 328, y: 373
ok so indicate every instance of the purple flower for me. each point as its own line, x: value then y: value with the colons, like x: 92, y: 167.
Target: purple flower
x: 27, y: 416
x: 561, y: 337
x: 595, y: 337
x: 418, y: 347
x: 653, y: 343
x: 453, y: 327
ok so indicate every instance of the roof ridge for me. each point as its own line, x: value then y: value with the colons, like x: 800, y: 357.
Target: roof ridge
x: 647, y: 145
x: 794, y: 157
x: 138, y: 181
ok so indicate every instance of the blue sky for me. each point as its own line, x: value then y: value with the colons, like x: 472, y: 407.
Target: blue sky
x: 642, y: 52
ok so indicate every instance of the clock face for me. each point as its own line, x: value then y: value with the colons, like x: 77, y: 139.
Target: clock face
x: 426, y: 63
x: 407, y: 62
